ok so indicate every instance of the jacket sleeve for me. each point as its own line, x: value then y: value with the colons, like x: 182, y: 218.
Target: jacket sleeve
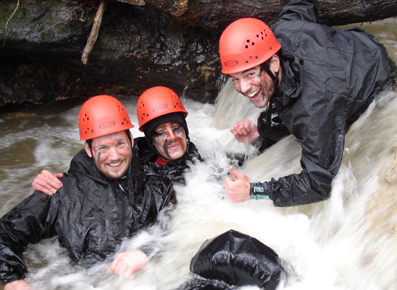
x: 163, y: 193
x: 27, y: 223
x: 322, y: 153
x: 300, y: 10
x: 164, y: 199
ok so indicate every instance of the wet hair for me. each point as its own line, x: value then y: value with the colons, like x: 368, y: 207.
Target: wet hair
x: 265, y: 66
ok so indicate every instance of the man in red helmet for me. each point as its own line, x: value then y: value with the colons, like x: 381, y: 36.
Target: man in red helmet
x: 166, y: 148
x: 312, y: 81
x: 106, y: 197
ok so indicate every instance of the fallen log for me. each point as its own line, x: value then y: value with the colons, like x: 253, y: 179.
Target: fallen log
x: 219, y: 13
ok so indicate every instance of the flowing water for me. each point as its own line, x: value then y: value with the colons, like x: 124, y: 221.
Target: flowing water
x: 346, y: 242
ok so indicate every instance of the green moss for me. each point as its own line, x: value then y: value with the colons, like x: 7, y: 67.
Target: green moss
x: 5, y: 13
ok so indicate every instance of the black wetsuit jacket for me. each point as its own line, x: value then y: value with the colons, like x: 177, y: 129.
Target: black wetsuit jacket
x: 90, y: 214
x: 329, y: 78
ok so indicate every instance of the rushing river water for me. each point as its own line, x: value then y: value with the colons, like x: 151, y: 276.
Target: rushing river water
x: 346, y: 242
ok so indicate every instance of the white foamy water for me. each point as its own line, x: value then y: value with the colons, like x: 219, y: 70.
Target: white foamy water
x: 347, y: 242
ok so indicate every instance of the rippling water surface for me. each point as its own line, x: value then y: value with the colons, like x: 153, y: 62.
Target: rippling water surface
x: 346, y: 242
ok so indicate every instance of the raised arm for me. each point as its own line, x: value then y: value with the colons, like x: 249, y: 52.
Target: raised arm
x: 47, y: 182
x: 300, y: 10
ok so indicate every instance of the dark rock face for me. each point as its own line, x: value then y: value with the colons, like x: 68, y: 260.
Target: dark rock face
x: 136, y: 49
x: 141, y: 43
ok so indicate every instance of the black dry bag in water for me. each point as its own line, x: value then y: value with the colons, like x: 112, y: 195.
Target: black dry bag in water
x: 239, y: 260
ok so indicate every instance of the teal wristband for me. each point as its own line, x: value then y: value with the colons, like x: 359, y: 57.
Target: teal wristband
x: 259, y: 196
x: 258, y: 189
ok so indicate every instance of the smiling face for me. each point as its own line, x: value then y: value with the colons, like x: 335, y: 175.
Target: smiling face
x: 253, y: 86
x: 258, y: 88
x: 170, y: 141
x: 112, y: 154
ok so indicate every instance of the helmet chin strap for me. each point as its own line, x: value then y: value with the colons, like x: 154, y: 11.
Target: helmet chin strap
x: 265, y: 67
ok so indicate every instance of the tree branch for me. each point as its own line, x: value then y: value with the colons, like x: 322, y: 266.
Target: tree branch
x: 8, y: 20
x: 94, y: 32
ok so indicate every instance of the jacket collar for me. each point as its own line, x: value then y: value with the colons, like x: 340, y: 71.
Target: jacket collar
x: 290, y: 87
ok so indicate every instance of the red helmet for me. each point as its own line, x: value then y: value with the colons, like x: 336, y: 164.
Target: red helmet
x: 156, y: 102
x: 102, y: 115
x: 246, y: 43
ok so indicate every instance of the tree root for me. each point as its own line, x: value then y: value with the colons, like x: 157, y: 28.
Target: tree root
x: 94, y: 32
x: 8, y: 20
x: 73, y: 12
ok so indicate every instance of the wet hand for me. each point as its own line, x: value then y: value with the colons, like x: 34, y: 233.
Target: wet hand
x: 18, y: 285
x: 47, y: 182
x: 127, y: 263
x: 238, y: 188
x: 245, y: 131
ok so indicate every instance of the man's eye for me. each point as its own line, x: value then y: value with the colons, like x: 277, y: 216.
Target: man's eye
x: 158, y: 133
x: 176, y: 129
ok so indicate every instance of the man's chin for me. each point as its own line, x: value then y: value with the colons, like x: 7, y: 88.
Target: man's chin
x: 173, y: 156
x: 177, y: 157
x: 115, y: 175
x: 259, y: 103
